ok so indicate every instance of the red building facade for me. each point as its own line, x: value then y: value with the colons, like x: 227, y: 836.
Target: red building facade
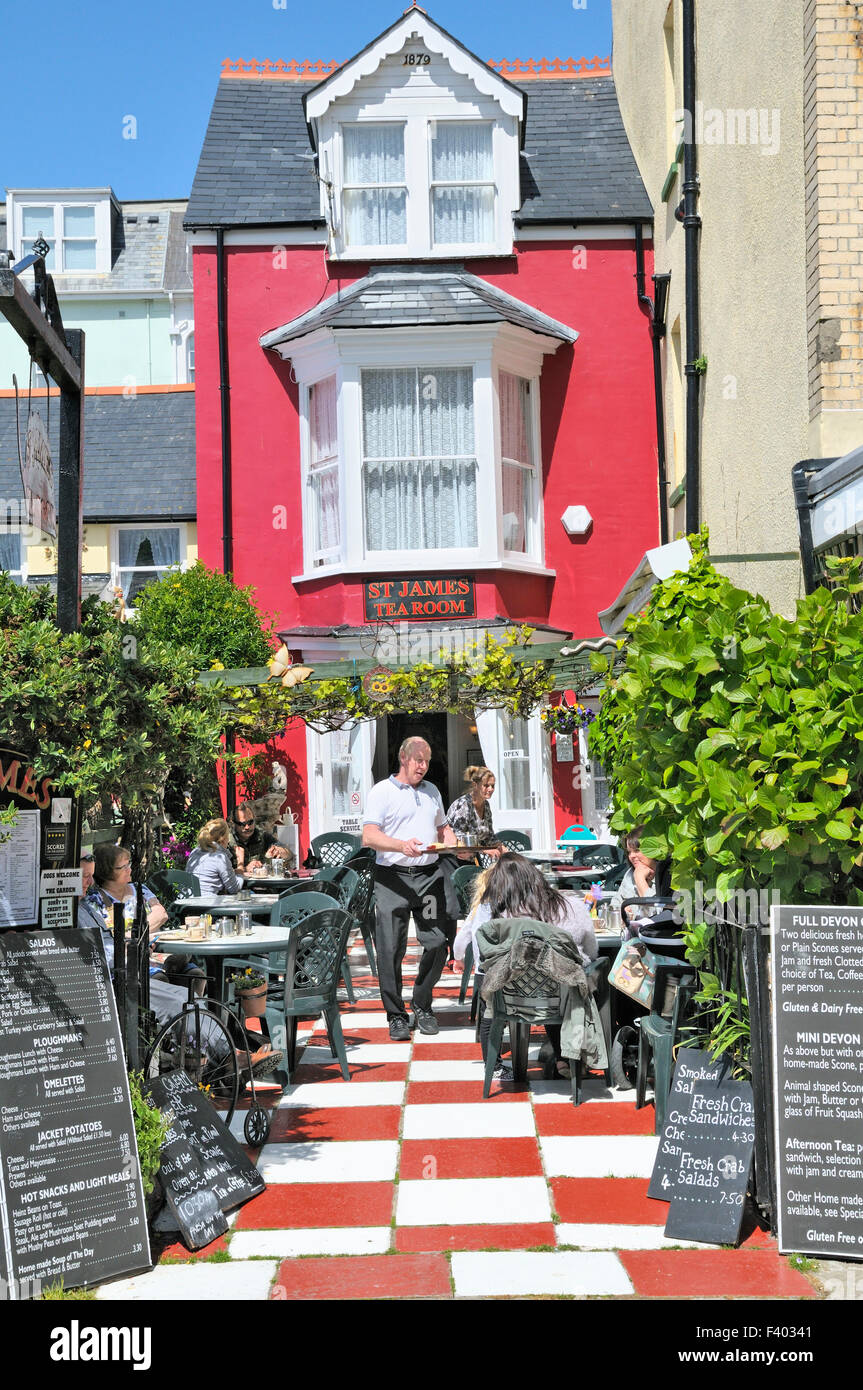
x: 439, y: 379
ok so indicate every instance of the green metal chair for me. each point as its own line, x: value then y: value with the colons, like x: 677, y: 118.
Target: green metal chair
x: 514, y: 840
x: 363, y: 863
x: 335, y: 847
x: 317, y: 947
x: 171, y: 886
x: 338, y: 891
x: 658, y: 1034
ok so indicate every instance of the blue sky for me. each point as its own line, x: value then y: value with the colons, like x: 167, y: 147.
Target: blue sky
x: 80, y: 70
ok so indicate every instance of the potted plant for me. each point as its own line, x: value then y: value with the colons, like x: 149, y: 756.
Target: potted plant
x: 566, y: 719
x: 250, y: 987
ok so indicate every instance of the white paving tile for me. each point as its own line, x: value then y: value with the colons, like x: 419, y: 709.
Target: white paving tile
x: 591, y: 1089
x: 196, y: 1282
x: 360, y: 1053
x: 358, y: 1019
x: 509, y: 1120
x: 451, y: 1035
x: 599, y: 1156
x: 591, y: 1237
x: 283, y: 1245
x: 472, y: 1201
x: 514, y: 1274
x: 465, y: 1069
x: 371, y: 1160
x: 323, y: 1094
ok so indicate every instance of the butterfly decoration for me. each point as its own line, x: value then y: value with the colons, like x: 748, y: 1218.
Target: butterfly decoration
x: 282, y: 665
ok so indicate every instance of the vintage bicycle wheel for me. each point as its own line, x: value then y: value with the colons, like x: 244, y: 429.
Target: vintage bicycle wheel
x: 256, y: 1126
x: 198, y: 1042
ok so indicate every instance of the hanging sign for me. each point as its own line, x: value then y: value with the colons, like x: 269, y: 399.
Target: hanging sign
x: 817, y: 955
x: 37, y: 475
x: 377, y: 683
x: 399, y: 600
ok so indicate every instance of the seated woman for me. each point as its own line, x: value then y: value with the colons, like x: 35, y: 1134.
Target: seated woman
x: 639, y: 881
x: 514, y: 887
x: 211, y: 861
x: 470, y: 814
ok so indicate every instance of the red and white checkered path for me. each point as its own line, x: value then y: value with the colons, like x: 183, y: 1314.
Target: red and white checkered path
x: 405, y: 1183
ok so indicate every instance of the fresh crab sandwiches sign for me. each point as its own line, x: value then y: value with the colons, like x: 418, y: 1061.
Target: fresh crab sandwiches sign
x: 398, y: 600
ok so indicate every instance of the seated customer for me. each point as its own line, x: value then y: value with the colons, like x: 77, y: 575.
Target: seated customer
x: 514, y: 887
x: 253, y: 845
x: 639, y: 881
x: 211, y: 861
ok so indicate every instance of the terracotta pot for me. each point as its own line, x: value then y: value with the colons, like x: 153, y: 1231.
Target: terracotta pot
x: 254, y: 1001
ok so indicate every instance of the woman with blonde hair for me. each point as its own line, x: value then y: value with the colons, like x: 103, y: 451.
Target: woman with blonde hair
x: 470, y: 814
x: 211, y: 861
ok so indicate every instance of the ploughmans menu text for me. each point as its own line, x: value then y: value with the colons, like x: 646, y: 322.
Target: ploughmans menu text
x: 71, y: 1197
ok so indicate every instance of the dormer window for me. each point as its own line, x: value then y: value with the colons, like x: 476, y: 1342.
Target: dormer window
x: 77, y: 229
x: 418, y: 149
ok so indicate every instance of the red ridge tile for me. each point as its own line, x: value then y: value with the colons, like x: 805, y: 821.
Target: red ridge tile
x: 364, y: 1276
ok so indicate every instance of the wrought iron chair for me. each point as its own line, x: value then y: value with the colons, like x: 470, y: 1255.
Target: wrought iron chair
x: 461, y: 882
x: 533, y: 992
x: 317, y: 947
x: 335, y: 847
x: 363, y: 863
x: 171, y: 886
x: 659, y: 1035
x: 514, y: 840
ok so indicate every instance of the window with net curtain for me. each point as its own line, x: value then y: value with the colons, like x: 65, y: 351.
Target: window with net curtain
x: 145, y: 554
x: 462, y: 183
x: 323, y: 475
x: 10, y: 554
x: 374, y: 188
x: 517, y: 461
x: 419, y: 459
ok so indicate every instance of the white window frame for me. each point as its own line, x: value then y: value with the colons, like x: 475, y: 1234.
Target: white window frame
x: 57, y: 203
x: 20, y: 574
x: 486, y: 349
x: 146, y: 525
x: 314, y: 559
x: 457, y: 247
x: 533, y: 512
x: 357, y: 248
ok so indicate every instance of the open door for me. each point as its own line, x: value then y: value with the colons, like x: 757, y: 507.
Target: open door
x: 518, y: 754
x: 340, y: 764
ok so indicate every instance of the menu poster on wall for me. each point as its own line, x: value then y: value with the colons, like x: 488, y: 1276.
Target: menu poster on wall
x: 817, y: 955
x: 19, y: 871
x: 71, y: 1196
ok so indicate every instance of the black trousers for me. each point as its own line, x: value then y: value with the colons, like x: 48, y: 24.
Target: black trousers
x: 428, y: 894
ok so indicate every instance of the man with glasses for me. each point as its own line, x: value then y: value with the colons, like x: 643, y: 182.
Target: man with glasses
x: 254, y: 845
x: 403, y: 816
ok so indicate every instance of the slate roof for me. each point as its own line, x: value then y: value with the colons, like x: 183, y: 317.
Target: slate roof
x: 255, y: 167
x: 139, y: 453
x: 397, y: 296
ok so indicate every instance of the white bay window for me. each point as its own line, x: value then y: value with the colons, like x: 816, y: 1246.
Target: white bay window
x: 323, y: 475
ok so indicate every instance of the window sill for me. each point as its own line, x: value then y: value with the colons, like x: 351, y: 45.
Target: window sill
x: 406, y: 562
x: 410, y: 254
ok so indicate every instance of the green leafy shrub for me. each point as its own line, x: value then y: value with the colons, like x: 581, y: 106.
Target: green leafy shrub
x: 206, y: 613
x: 150, y: 1131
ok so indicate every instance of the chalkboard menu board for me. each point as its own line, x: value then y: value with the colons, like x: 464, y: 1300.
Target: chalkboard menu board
x: 204, y: 1170
x: 817, y: 962
x: 705, y: 1152
x: 71, y: 1197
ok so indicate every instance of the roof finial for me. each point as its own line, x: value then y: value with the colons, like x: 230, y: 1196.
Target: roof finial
x: 414, y: 6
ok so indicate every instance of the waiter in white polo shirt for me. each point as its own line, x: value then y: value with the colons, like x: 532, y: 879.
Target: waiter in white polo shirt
x: 403, y: 816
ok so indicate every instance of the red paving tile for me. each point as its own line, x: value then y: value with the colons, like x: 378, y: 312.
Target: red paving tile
x: 360, y: 1071
x: 713, y: 1274
x: 470, y: 1158
x: 339, y: 1122
x: 295, y: 1205
x: 177, y: 1253
x: 600, y: 1117
x: 446, y: 1052
x: 607, y: 1201
x: 364, y: 1276
x: 458, y: 1092
x: 354, y: 1037
x: 474, y: 1237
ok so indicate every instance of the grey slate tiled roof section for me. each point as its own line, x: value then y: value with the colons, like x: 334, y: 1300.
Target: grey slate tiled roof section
x: 178, y: 276
x: 255, y: 167
x: 149, y: 250
x: 399, y: 296
x: 139, y: 454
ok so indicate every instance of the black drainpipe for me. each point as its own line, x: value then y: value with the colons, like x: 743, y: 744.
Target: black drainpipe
x: 657, y: 332
x: 227, y: 524
x: 691, y: 227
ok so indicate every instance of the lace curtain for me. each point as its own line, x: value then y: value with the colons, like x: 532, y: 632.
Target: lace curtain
x: 419, y: 470
x: 10, y: 552
x: 141, y: 552
x: 324, y: 472
x: 375, y: 215
x: 463, y: 214
x: 518, y: 473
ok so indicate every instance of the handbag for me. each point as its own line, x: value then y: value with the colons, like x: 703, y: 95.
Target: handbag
x: 634, y: 971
